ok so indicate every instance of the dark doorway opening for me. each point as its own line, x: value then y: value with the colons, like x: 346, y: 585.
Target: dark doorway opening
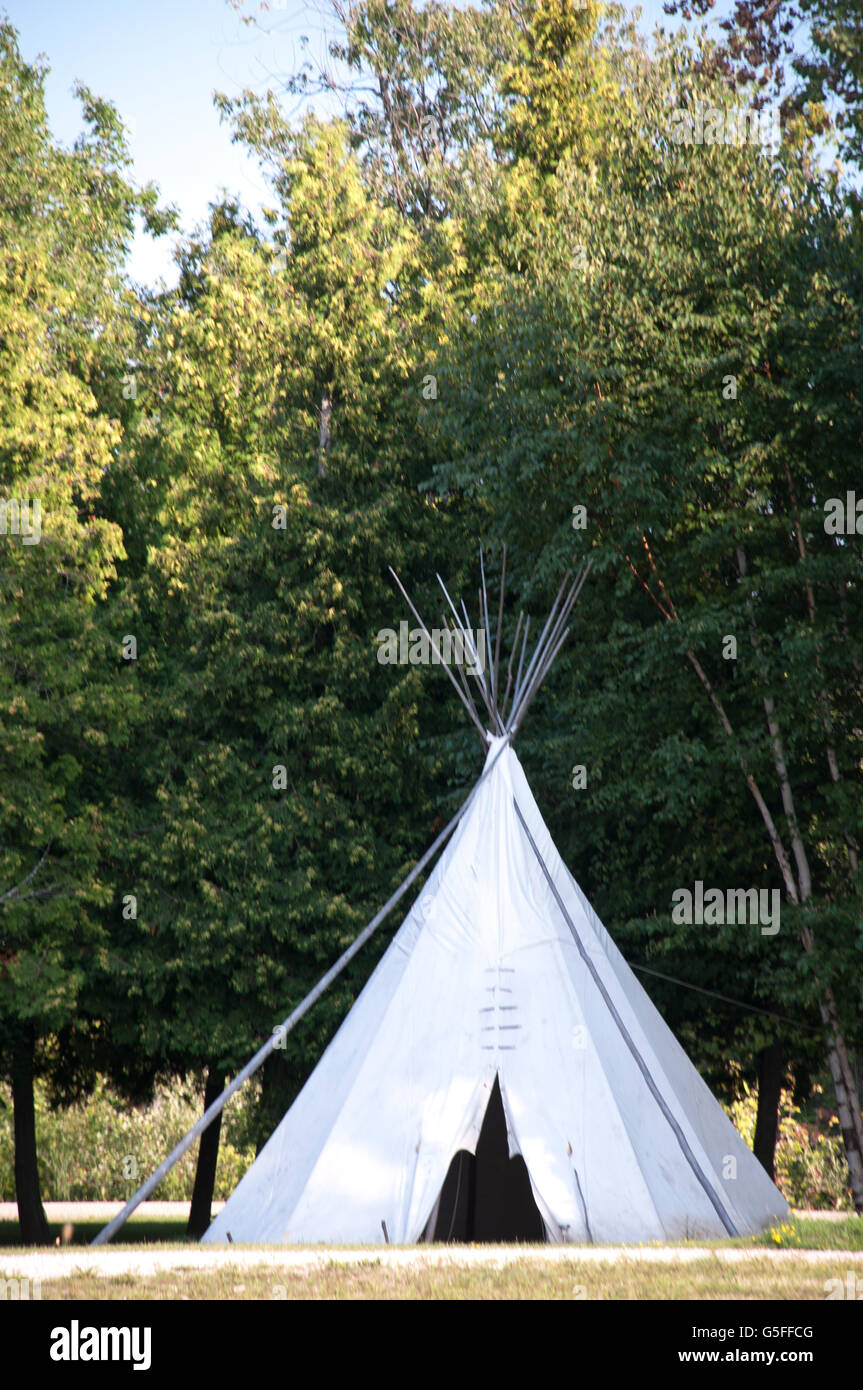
x: 487, y: 1197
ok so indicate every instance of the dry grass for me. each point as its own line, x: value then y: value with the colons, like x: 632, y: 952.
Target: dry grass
x: 702, y: 1279
x: 794, y: 1261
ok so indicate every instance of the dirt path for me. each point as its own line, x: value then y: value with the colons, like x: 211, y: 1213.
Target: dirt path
x: 64, y: 1264
x: 109, y: 1262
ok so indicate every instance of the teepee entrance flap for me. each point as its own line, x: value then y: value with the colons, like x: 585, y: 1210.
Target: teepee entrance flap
x: 487, y: 1194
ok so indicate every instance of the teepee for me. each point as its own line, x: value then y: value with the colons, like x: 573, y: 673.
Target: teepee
x: 503, y: 1075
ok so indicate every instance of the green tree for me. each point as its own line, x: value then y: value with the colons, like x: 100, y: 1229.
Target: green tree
x: 766, y: 41
x: 556, y: 90
x: 65, y: 221
x: 672, y: 367
x: 276, y: 792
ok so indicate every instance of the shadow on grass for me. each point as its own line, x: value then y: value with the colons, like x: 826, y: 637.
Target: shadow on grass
x: 143, y: 1232
x: 796, y: 1234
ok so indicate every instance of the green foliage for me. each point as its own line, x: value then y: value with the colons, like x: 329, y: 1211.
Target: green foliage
x: 819, y: 41
x: 66, y: 218
x: 811, y: 1169
x: 83, y: 1147
x: 556, y: 107
x: 274, y: 796
x: 424, y: 95
x: 814, y: 1233
x: 504, y: 214
x: 101, y: 1149
x: 832, y: 69
x: 657, y: 277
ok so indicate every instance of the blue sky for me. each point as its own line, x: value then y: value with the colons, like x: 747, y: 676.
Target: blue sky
x: 160, y: 61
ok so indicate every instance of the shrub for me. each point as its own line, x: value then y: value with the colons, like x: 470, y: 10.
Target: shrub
x: 811, y: 1169
x: 102, y: 1148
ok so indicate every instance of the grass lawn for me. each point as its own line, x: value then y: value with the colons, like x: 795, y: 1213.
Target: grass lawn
x: 808, y: 1233
x: 803, y: 1233
x: 708, y: 1277
x: 574, y: 1280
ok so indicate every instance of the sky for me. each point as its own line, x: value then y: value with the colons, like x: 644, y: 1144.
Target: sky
x: 159, y: 62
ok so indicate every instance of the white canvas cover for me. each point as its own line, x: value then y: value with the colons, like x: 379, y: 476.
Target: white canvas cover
x: 622, y: 1139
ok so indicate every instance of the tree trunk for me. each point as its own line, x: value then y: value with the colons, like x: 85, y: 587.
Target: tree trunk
x: 844, y: 1080
x: 324, y: 440
x: 771, y: 1071
x: 847, y: 1097
x: 208, y: 1155
x: 844, y: 1083
x: 824, y: 704
x: 32, y: 1223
